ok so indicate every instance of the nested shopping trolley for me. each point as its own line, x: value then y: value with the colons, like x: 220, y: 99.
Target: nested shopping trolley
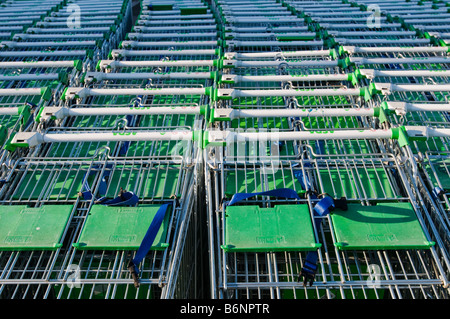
x: 415, y: 93
x: 29, y: 85
x: 253, y: 26
x: 139, y: 168
x: 73, y: 26
x: 265, y: 214
x: 358, y: 24
x: 430, y: 18
x: 17, y: 16
x: 283, y: 200
x: 93, y: 163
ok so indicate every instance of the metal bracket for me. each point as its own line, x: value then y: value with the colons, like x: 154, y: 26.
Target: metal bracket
x: 93, y: 77
x: 229, y: 78
x: 225, y: 94
x: 26, y: 139
x: 52, y: 112
x: 223, y: 114
x: 73, y: 93
x: 400, y: 108
x: 384, y: 88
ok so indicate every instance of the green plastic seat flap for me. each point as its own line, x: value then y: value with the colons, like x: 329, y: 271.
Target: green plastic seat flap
x: 26, y: 228
x: 383, y: 226
x: 282, y: 228
x: 121, y: 228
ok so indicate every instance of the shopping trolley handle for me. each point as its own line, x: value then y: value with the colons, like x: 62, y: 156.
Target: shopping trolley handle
x: 33, y: 30
x: 71, y: 93
x: 230, y: 55
x: 20, y: 36
x: 52, y: 113
x: 117, y: 54
x: 24, y: 139
x: 349, y: 49
x: 8, y: 44
x: 90, y: 77
x: 103, y: 65
x: 383, y: 88
x: 126, y: 44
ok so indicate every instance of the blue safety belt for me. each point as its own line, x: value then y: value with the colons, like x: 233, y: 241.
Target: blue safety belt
x: 86, y: 192
x: 320, y: 147
x: 437, y: 192
x: 123, y: 199
x: 321, y: 209
x: 147, y: 243
x: 302, y: 178
x: 279, y: 192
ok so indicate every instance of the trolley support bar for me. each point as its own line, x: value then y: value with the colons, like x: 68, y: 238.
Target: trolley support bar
x: 31, y: 139
x: 71, y: 93
x: 62, y: 112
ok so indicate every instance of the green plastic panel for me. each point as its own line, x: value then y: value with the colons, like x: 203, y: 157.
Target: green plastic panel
x: 255, y: 229
x: 25, y: 228
x: 121, y: 228
x: 441, y: 171
x: 249, y: 181
x: 356, y: 183
x: 152, y: 183
x: 383, y: 226
x: 38, y: 183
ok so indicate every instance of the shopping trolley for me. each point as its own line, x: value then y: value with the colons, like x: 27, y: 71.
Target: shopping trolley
x: 142, y: 122
x: 262, y: 29
x: 48, y: 35
x: 251, y: 180
x: 416, y: 95
x: 153, y: 170
x: 256, y: 260
x: 355, y: 24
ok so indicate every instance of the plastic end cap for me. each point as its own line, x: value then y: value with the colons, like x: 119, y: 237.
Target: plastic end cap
x: 399, y: 133
x: 46, y: 93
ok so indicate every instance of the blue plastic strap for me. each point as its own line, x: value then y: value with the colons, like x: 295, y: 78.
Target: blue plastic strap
x: 149, y: 237
x: 87, y: 194
x: 124, y: 199
x: 280, y: 192
x: 322, y: 208
x: 309, y: 268
x: 437, y: 191
x: 320, y: 147
x: 302, y: 179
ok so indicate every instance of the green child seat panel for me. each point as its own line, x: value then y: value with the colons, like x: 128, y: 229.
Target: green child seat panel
x: 121, y: 228
x: 26, y: 228
x: 383, y: 226
x: 357, y: 183
x: 255, y: 229
x: 250, y: 181
x: 148, y: 183
x: 61, y: 184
